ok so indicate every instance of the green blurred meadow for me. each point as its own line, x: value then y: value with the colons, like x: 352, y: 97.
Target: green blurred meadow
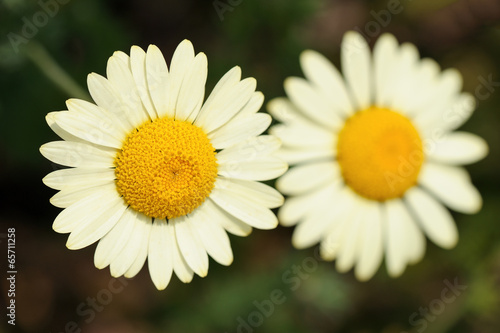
x: 48, y: 47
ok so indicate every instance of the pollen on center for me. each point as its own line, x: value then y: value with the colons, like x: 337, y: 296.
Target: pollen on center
x: 166, y: 168
x: 380, y: 153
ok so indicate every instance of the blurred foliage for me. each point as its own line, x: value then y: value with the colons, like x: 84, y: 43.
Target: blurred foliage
x: 265, y: 38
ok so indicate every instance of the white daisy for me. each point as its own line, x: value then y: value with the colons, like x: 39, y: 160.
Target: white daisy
x: 156, y: 173
x: 376, y: 156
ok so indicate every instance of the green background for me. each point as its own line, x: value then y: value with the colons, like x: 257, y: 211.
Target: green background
x: 55, y: 286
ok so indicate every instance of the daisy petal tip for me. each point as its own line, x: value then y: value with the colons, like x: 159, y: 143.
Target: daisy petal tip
x: 476, y: 203
x: 50, y: 117
x: 307, y: 55
x: 290, y: 82
x: 354, y: 36
x: 186, y: 279
x: 363, y: 276
x: 227, y: 261
x: 58, y: 230
x: 152, y: 48
x: 99, y: 263
x: 202, y: 273
x: 160, y: 284
x: 451, y: 244
x: 395, y: 272
x: 71, y: 245
x: 186, y: 43
x: 298, y: 244
x: 388, y: 37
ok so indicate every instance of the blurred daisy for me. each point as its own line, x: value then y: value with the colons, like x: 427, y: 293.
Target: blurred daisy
x: 376, y: 156
x: 158, y: 174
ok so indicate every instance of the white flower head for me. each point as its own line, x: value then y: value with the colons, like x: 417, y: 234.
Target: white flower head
x: 155, y: 172
x: 376, y: 155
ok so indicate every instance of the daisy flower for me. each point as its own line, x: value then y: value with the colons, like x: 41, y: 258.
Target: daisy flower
x: 156, y: 173
x: 376, y: 155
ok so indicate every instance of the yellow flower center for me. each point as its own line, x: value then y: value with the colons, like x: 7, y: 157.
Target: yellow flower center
x: 166, y: 168
x: 380, y: 153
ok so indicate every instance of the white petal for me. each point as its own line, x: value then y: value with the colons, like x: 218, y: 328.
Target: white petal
x: 81, y: 107
x: 106, y: 96
x: 226, y: 220
x: 160, y: 261
x: 70, y: 195
x: 223, y: 107
x: 238, y: 129
x: 320, y: 216
x: 96, y: 215
x: 458, y: 148
x: 252, y: 159
x: 73, y: 216
x: 458, y: 113
x: 182, y: 60
x: 120, y: 77
x: 115, y: 240
x: 181, y: 267
x: 397, y: 218
x: 78, y: 154
x: 138, y: 67
x: 311, y: 103
x: 213, y: 237
x: 190, y: 244
x: 335, y: 236
x: 258, y: 193
x: 50, y: 118
x: 405, y: 83
x: 123, y: 57
x: 385, y: 53
x: 259, y: 168
x: 415, y: 240
x: 436, y: 220
x: 158, y: 81
x: 295, y: 208
x: 132, y: 254
x: 452, y: 186
x: 102, y: 130
x: 192, y: 90
x: 263, y: 145
x: 419, y: 75
x: 142, y: 252
x: 225, y: 85
x: 253, y: 105
x: 371, y: 248
x: 351, y: 245
x: 283, y: 110
x: 304, y: 178
x: 301, y: 155
x: 78, y: 177
x: 327, y: 79
x: 442, y: 104
x: 255, y: 215
x: 303, y: 135
x: 356, y: 67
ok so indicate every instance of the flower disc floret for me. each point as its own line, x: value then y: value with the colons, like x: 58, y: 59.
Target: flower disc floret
x: 166, y: 168
x: 380, y: 153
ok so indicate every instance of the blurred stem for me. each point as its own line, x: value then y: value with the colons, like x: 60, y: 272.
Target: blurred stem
x: 40, y: 57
